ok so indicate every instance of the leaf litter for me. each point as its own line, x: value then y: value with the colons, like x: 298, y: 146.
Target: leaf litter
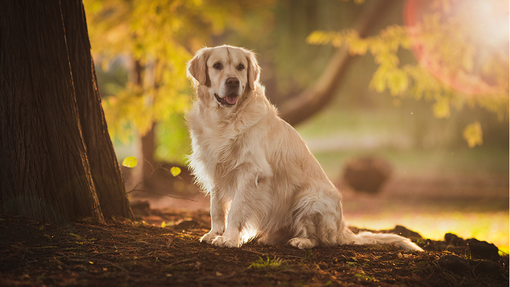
x: 142, y: 252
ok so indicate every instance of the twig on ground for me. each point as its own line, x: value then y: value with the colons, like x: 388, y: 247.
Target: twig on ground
x: 182, y: 261
x: 90, y: 260
x: 256, y: 252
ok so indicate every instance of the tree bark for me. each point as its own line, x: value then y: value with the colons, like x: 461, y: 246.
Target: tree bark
x: 50, y: 117
x: 141, y: 177
x: 315, y: 98
x: 104, y: 166
x: 147, y: 152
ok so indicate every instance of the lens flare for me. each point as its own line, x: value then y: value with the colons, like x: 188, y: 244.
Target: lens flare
x: 462, y: 43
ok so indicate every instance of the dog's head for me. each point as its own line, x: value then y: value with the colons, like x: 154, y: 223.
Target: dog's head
x: 227, y: 72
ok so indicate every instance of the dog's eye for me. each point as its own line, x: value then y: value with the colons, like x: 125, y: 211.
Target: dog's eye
x: 218, y: 66
x: 240, y: 67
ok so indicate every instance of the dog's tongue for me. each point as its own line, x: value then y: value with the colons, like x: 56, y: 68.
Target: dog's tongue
x: 231, y: 99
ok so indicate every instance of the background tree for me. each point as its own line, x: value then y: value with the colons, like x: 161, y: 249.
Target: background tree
x: 187, y: 26
x: 459, y: 62
x: 292, y: 69
x: 58, y: 160
x: 157, y: 38
x: 317, y: 96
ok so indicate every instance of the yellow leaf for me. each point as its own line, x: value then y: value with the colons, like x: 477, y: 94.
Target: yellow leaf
x: 442, y: 109
x: 358, y: 47
x: 473, y: 134
x: 175, y: 171
x: 379, y: 78
x: 130, y: 162
x: 318, y: 38
x: 163, y: 224
x: 398, y: 82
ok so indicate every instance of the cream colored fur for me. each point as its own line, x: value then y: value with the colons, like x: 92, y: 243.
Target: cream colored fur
x: 262, y: 179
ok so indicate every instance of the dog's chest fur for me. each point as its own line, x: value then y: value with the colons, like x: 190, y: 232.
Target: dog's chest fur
x: 223, y: 143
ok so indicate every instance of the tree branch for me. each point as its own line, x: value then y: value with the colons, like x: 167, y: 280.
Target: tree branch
x: 315, y: 98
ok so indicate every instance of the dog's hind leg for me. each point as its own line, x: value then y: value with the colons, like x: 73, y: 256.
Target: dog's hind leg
x: 316, y: 229
x: 317, y: 220
x: 306, y: 234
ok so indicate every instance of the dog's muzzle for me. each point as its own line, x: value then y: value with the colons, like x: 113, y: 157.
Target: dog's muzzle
x: 232, y: 88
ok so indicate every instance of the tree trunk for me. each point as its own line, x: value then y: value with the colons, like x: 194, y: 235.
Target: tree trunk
x: 141, y: 178
x: 51, y: 119
x: 315, y: 98
x: 104, y: 166
x: 147, y: 152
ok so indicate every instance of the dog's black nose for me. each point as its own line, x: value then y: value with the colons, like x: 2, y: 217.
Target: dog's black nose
x: 232, y: 82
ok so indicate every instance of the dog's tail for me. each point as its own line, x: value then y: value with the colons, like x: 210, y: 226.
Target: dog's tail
x: 348, y: 237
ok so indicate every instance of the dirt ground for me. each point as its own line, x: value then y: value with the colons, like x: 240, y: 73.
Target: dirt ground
x: 127, y: 253
x: 162, y: 248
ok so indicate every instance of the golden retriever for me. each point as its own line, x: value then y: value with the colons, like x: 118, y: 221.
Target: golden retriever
x: 262, y: 179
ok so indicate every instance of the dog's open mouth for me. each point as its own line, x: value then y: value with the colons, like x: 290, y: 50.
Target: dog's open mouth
x: 229, y: 100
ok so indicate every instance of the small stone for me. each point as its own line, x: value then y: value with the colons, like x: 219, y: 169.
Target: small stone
x: 452, y: 239
x: 403, y: 231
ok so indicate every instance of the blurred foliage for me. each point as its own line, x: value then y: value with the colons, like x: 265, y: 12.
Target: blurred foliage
x: 473, y: 134
x: 154, y: 40
x: 172, y: 134
x: 162, y: 35
x: 452, y: 52
x: 278, y: 37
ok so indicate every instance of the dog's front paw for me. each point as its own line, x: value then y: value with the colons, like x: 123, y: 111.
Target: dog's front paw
x: 301, y: 243
x: 223, y: 241
x: 209, y: 237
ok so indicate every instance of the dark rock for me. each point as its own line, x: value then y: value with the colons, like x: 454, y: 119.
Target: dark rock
x: 367, y: 174
x: 455, y: 264
x: 452, y: 239
x: 483, y: 250
x: 403, y: 231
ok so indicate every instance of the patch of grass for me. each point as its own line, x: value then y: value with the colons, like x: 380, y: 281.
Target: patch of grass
x: 364, y: 277
x: 268, y: 264
x: 307, y: 256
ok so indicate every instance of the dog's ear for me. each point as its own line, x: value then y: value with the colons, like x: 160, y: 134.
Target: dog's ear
x: 197, y: 67
x: 253, y: 70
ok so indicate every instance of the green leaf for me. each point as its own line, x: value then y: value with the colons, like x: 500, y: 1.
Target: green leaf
x: 130, y: 162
